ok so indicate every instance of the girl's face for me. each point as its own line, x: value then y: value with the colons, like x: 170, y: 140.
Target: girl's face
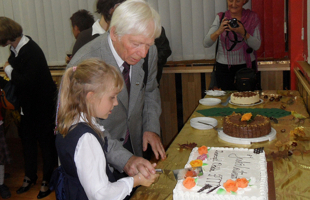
x: 104, y: 105
x: 235, y: 6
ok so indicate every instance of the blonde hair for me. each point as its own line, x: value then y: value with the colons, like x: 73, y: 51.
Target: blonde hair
x: 135, y: 17
x: 91, y: 75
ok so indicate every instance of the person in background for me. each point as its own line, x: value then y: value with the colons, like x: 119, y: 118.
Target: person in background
x: 80, y: 21
x: 4, y: 159
x: 164, y: 51
x: 34, y: 87
x: 237, y: 45
x: 105, y: 8
x: 134, y: 123
x: 81, y: 142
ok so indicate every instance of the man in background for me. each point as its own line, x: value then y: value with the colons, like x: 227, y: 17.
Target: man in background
x: 80, y: 21
x: 105, y: 8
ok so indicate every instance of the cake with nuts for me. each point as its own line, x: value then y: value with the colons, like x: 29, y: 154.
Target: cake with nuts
x: 244, y: 98
x: 246, y: 126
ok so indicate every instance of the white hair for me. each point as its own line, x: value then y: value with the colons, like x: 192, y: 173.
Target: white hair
x: 136, y: 17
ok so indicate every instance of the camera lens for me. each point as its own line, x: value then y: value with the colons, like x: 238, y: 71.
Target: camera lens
x: 233, y: 23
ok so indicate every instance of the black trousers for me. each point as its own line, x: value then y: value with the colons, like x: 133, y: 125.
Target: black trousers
x: 225, y: 76
x: 31, y: 133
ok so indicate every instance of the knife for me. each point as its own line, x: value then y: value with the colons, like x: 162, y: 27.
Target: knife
x: 180, y: 174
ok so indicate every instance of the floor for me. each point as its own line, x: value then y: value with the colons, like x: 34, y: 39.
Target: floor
x: 15, y: 171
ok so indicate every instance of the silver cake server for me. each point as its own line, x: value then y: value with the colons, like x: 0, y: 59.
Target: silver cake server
x: 180, y: 173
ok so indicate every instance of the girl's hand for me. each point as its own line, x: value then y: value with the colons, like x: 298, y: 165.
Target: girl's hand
x: 139, y: 179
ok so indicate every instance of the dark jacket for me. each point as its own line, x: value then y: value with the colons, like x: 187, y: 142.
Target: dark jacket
x: 32, y: 78
x: 83, y: 38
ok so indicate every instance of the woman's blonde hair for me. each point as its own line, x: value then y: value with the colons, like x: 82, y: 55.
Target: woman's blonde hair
x: 91, y: 75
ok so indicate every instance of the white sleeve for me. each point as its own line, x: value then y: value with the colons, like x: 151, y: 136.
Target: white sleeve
x: 8, y: 70
x: 255, y: 40
x: 91, y: 169
x: 208, y: 42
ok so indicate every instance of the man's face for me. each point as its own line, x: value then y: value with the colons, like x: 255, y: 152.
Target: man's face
x: 75, y: 31
x: 131, y: 48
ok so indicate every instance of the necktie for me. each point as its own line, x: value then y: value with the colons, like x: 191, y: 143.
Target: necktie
x: 126, y: 76
x: 127, y: 82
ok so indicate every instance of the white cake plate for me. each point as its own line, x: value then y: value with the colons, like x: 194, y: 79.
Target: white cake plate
x: 235, y: 140
x: 254, y: 104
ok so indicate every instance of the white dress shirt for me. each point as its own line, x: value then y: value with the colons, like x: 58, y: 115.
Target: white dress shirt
x: 91, y: 169
x: 8, y: 70
x: 97, y: 29
x: 118, y: 59
x: 23, y: 41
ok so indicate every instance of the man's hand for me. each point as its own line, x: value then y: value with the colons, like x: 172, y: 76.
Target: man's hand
x: 68, y: 59
x: 137, y: 165
x: 154, y: 140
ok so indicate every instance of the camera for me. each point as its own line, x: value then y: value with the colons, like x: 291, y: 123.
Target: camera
x: 233, y: 23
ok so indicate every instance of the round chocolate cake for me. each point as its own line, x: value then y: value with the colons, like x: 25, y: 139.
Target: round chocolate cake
x: 258, y: 126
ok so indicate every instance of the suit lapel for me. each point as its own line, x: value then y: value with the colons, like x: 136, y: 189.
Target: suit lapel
x: 108, y: 57
x: 136, y: 80
x: 136, y: 83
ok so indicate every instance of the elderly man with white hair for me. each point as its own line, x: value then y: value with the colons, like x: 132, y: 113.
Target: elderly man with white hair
x: 134, y: 123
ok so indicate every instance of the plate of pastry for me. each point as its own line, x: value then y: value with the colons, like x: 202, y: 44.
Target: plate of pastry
x: 215, y: 93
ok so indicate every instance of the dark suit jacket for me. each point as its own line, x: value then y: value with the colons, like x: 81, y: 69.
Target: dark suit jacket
x: 83, y: 38
x: 144, y: 108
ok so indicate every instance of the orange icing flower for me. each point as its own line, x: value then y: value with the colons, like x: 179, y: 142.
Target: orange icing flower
x: 202, y: 150
x: 242, y: 182
x: 196, y: 163
x: 246, y: 117
x: 189, y: 183
x: 230, y: 185
x: 190, y: 174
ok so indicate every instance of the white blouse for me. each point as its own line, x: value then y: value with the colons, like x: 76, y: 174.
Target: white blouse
x: 91, y: 169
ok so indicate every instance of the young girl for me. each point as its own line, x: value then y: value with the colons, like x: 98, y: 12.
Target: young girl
x: 89, y: 91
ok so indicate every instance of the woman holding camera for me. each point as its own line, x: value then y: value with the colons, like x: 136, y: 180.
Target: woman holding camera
x: 239, y: 36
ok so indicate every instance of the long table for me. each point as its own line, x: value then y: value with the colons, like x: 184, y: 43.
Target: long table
x: 291, y: 173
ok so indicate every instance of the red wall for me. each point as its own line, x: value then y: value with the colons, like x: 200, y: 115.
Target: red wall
x: 297, y: 46
x: 271, y: 14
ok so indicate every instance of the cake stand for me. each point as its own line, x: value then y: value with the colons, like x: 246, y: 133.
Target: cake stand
x: 235, y: 140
